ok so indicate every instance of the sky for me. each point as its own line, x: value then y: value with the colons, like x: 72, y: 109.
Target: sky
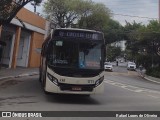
x: 142, y: 11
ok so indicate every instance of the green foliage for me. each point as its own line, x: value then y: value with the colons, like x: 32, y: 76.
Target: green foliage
x: 63, y: 12
x: 143, y: 42
x: 95, y: 18
x: 112, y: 52
x: 113, y: 31
x: 57, y: 10
x: 77, y: 13
x: 155, y: 72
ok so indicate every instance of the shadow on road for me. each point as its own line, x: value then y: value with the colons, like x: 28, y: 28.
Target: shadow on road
x: 71, y: 99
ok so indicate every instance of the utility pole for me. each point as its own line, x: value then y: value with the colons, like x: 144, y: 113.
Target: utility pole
x: 34, y: 5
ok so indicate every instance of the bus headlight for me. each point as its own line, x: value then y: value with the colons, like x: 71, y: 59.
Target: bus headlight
x: 52, y: 79
x: 99, y: 81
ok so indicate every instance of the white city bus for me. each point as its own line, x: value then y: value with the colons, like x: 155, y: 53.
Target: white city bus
x: 72, y: 62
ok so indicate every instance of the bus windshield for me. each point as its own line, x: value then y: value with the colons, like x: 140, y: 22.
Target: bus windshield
x: 70, y: 54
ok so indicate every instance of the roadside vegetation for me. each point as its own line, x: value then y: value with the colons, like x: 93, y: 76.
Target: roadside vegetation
x: 112, y: 52
x: 143, y: 45
x: 155, y: 72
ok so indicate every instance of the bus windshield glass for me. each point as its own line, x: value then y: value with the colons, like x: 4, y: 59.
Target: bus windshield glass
x: 70, y: 54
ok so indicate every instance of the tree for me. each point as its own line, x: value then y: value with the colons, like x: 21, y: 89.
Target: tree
x: 132, y: 35
x: 113, y: 52
x: 95, y: 17
x: 9, y: 9
x: 113, y: 31
x: 62, y: 12
x: 143, y: 43
x: 150, y: 37
x: 77, y: 13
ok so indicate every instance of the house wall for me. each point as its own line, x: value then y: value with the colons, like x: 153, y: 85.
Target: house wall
x: 120, y: 44
x: 31, y: 18
x: 15, y: 49
x: 36, y: 42
x: 36, y: 25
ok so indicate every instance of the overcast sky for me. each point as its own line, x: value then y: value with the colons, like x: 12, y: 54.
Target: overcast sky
x: 120, y: 8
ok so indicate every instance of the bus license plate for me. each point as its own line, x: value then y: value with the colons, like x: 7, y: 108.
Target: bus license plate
x: 76, y: 88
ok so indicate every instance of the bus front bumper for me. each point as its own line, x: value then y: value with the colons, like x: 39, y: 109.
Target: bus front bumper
x: 73, y: 89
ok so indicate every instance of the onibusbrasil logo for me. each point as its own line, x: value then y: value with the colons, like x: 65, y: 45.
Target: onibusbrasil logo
x: 21, y: 114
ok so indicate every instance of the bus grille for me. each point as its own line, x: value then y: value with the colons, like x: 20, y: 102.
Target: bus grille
x: 69, y: 87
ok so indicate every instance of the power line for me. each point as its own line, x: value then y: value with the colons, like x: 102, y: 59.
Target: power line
x: 134, y: 16
x: 134, y: 32
x: 130, y: 3
x: 134, y: 5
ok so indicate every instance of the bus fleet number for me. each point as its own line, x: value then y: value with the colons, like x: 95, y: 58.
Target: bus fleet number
x: 91, y: 81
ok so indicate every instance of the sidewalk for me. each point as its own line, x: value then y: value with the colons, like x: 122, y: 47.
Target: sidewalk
x: 6, y: 73
x: 146, y: 77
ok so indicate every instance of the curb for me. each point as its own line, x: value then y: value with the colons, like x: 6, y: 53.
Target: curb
x: 147, y: 78
x: 18, y: 76
x: 151, y: 80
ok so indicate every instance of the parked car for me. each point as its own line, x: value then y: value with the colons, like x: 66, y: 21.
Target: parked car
x: 108, y: 66
x: 131, y: 66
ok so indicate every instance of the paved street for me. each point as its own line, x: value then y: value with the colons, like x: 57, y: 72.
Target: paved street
x: 124, y: 91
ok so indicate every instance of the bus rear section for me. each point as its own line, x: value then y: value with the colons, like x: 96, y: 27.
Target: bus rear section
x: 73, y: 62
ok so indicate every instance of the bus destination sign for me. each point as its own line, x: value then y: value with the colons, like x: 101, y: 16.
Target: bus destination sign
x: 79, y: 34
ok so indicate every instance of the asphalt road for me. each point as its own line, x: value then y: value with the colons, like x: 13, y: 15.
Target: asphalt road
x: 124, y: 91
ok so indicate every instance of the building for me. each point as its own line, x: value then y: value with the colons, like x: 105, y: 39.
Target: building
x: 121, y: 44
x: 23, y: 36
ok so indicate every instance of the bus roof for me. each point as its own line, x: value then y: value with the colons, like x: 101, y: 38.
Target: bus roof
x: 77, y: 29
x: 77, y: 33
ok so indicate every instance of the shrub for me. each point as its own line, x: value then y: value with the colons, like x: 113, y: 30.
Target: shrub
x: 154, y: 72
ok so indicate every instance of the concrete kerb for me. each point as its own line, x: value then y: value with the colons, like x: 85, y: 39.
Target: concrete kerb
x: 3, y: 78
x: 18, y: 76
x: 152, y: 79
x: 149, y: 78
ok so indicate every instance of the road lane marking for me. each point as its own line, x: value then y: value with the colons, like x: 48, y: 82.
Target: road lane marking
x: 128, y: 73
x: 123, y: 86
x: 133, y: 88
x: 139, y: 91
